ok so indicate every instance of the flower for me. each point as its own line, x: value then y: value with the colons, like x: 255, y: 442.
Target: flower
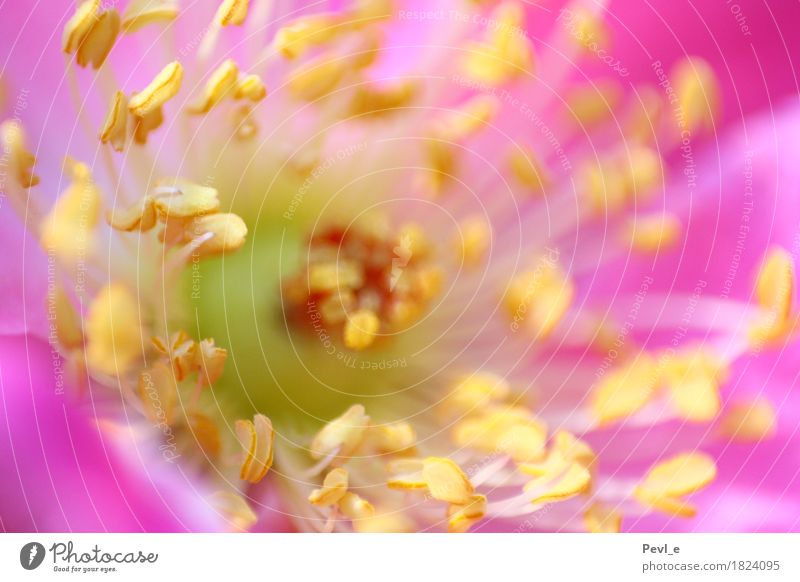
x: 396, y: 268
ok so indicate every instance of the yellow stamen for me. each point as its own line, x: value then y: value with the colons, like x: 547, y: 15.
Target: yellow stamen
x: 115, y: 126
x: 594, y: 102
x: 220, y: 84
x: 374, y: 99
x: 251, y: 87
x: 141, y: 217
x: 209, y: 360
x: 142, y: 126
x: 342, y: 435
x: 317, y: 78
x: 334, y: 276
x: 697, y: 89
x: 205, y: 432
x: 463, y: 516
x: 513, y: 431
x: 475, y: 237
x: 141, y: 13
x: 189, y: 200
x: 446, y: 481
x: 693, y: 380
x: 406, y: 474
x: 21, y: 161
x: 527, y: 169
x: 479, y: 390
x: 393, y: 438
x: 625, y: 390
x: 775, y: 284
x: 234, y: 507
x: 468, y: 119
x: 98, y: 42
x: 355, y: 507
x: 540, y: 298
x: 385, y: 522
x: 654, y: 233
x: 79, y: 25
x: 361, y: 329
x: 601, y: 519
x: 228, y: 233
x: 232, y: 12
x: 68, y: 322
x: 113, y: 332
x: 294, y: 39
x: 179, y: 351
x: 158, y: 393
x: 668, y: 481
x: 68, y: 228
x: 257, y: 438
x: 160, y: 90
x: 559, y: 485
x: 506, y: 52
x: 333, y: 489
x: 750, y: 422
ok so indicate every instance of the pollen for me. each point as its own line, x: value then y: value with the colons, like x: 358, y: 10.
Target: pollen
x: 141, y: 13
x: 363, y: 282
x: 693, y: 379
x: 775, y: 286
x: 539, y: 298
x: 527, y: 169
x: 475, y: 238
x: 220, y: 84
x: 21, y: 160
x: 506, y: 52
x: 232, y: 12
x: 69, y: 227
x: 625, y: 390
x: 749, y: 421
x: 341, y: 436
x: 698, y: 93
x: 667, y: 482
x: 462, y: 516
x: 294, y: 39
x: 219, y: 233
x: 334, y: 488
x: 446, y: 481
x: 113, y: 331
x: 654, y: 233
x: 91, y: 34
x: 560, y: 480
x: 256, y: 438
x: 160, y: 90
x: 115, y: 126
x: 361, y: 329
x: 602, y: 519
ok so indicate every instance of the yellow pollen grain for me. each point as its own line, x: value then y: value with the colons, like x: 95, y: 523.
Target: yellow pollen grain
x: 693, y: 382
x: 115, y: 126
x: 750, y: 421
x: 67, y: 230
x: 540, y: 298
x: 477, y: 390
x: 209, y: 360
x: 446, y: 481
x: 160, y: 90
x: 342, y: 435
x: 113, y: 331
x: 698, y: 93
x: 527, y: 169
x: 505, y: 53
x: 68, y: 323
x: 513, y: 431
x: 141, y: 13
x: 141, y: 217
x: 317, y: 78
x: 334, y: 488
x: 190, y: 201
x: 232, y: 12
x: 575, y: 480
x: 294, y: 39
x: 99, y: 41
x: 361, y: 329
x: 251, y: 87
x: 393, y: 438
x: 158, y: 392
x: 599, y: 518
x: 257, y: 439
x: 354, y: 507
x: 594, y: 103
x: 775, y: 283
x: 79, y: 25
x: 179, y: 351
x: 376, y: 99
x: 234, y: 508
x: 142, y: 126
x: 654, y: 233
x: 474, y: 240
x: 228, y: 233
x: 461, y: 517
x: 21, y: 161
x: 625, y: 390
x: 668, y: 481
x: 219, y: 85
